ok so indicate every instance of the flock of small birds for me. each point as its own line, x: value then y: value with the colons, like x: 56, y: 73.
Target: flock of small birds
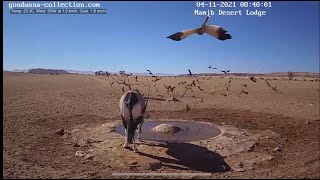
x: 215, y: 31
x: 123, y: 79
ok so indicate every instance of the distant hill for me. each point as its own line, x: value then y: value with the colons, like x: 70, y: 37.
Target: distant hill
x: 48, y: 71
x: 80, y: 72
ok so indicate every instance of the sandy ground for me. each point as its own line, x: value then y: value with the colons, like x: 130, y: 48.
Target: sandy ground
x: 35, y: 106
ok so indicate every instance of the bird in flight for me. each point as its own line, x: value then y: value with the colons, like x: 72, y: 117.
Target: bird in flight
x: 243, y: 91
x: 245, y: 86
x: 213, y: 30
x: 225, y: 72
x: 149, y: 71
x: 267, y: 83
x: 200, y: 88
x: 210, y: 67
x: 253, y: 79
x: 157, y: 79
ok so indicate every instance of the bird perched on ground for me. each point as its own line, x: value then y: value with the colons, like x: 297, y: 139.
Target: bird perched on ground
x: 227, y: 88
x: 188, y: 108
x: 190, y: 72
x: 193, y: 83
x: 213, y: 30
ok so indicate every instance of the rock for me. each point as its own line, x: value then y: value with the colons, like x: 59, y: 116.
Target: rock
x: 134, y: 163
x: 307, y: 122
x: 89, y: 156
x: 81, y: 143
x: 240, y: 165
x: 277, y: 149
x: 266, y: 149
x: 166, y: 128
x: 155, y: 166
x: 90, y: 141
x: 80, y: 153
x: 66, y: 134
x: 60, y: 131
x: 238, y: 169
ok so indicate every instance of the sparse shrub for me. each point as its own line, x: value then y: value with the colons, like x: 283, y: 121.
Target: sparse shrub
x: 290, y: 75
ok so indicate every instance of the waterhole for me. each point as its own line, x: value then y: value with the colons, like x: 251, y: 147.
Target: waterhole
x: 188, y: 131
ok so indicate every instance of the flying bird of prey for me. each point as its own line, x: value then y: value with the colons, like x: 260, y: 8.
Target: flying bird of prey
x: 213, y: 30
x: 190, y: 72
x: 253, y: 79
x: 149, y: 71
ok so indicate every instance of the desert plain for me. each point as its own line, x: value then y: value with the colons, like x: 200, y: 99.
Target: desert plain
x: 37, y: 107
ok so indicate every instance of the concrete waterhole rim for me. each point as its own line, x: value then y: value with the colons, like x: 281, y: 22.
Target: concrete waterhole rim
x: 231, y: 140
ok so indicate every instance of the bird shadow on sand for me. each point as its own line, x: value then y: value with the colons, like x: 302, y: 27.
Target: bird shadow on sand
x: 187, y: 156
